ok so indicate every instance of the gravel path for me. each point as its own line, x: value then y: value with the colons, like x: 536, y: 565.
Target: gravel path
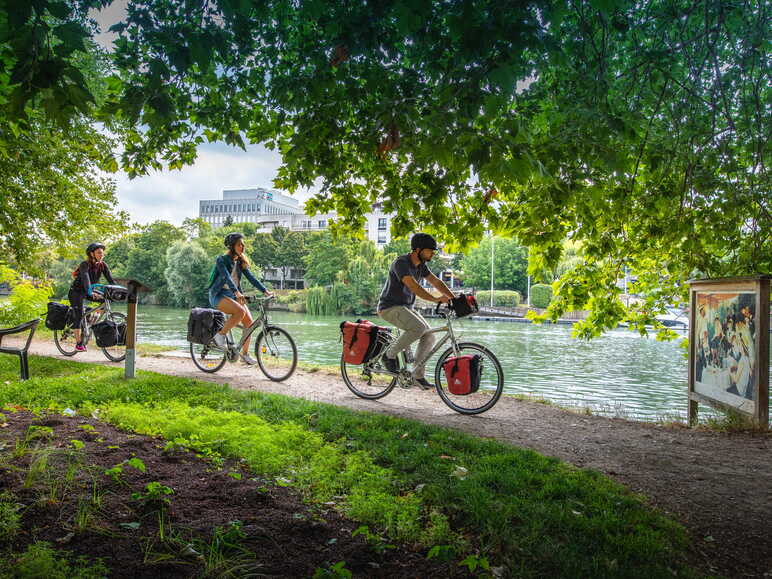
x: 718, y: 485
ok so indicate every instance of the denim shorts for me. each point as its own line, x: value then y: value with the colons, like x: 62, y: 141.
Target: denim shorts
x: 215, y: 295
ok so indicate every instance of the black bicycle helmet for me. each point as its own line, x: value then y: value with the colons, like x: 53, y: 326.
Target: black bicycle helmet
x: 423, y: 241
x: 232, y: 238
x: 94, y: 246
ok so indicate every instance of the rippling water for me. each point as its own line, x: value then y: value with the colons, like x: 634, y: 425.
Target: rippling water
x: 620, y: 373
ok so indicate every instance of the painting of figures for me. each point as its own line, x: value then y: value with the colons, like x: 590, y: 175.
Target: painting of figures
x: 725, y: 352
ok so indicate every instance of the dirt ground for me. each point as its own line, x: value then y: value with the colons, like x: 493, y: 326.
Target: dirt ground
x: 216, y: 523
x: 718, y: 485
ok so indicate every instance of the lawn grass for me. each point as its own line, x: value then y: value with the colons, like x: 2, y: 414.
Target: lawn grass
x: 457, y: 495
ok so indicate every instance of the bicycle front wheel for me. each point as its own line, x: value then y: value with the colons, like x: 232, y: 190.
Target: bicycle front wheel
x: 207, y: 358
x: 365, y: 381
x: 116, y: 353
x: 491, y: 381
x: 65, y: 340
x: 276, y: 353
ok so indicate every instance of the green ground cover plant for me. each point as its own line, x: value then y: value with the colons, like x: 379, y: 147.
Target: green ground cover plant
x: 464, y: 497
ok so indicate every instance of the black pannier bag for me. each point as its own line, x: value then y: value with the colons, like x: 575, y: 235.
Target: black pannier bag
x: 58, y: 315
x: 203, y: 324
x: 115, y: 293
x: 109, y: 333
x: 464, y: 305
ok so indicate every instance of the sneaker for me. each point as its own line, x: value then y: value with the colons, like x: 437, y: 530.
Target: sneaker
x: 248, y: 360
x: 80, y: 348
x: 391, y: 364
x: 424, y: 384
x: 219, y: 340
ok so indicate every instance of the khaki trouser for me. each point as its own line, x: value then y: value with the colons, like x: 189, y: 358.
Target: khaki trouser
x: 413, y: 327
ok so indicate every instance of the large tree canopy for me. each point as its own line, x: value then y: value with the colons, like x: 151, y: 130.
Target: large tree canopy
x: 636, y: 128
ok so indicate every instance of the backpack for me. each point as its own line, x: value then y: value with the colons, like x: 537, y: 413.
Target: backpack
x: 463, y: 373
x: 109, y: 333
x: 58, y: 315
x: 464, y: 305
x: 362, y: 341
x: 203, y: 324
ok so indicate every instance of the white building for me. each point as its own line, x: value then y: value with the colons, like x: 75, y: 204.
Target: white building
x: 269, y: 209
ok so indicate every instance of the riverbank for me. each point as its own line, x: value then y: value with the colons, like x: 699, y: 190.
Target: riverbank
x: 718, y: 485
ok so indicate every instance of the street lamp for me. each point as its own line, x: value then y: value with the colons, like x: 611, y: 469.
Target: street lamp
x: 492, y: 242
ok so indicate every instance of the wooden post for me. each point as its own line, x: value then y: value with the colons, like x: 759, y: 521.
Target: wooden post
x: 135, y: 288
x: 131, y: 333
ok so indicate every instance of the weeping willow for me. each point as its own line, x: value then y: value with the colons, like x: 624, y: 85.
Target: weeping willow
x: 326, y: 301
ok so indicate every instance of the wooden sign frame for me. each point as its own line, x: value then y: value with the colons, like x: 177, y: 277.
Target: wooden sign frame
x: 729, y: 346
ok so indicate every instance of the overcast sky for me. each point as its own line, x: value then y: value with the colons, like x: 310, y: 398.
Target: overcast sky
x: 174, y: 195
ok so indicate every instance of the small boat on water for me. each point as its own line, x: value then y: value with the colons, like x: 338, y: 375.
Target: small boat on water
x: 674, y: 318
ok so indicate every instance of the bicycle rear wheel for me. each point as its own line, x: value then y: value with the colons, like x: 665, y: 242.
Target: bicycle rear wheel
x: 207, y: 358
x: 65, y: 340
x: 491, y: 381
x: 365, y: 381
x: 116, y: 353
x: 276, y: 353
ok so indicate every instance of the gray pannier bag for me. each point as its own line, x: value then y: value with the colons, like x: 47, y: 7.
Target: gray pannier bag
x: 203, y: 324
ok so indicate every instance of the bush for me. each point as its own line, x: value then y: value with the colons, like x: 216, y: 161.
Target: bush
x: 291, y: 297
x: 27, y: 300
x: 541, y: 295
x: 505, y: 298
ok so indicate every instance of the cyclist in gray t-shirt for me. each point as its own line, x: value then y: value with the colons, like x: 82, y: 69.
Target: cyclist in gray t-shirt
x: 398, y: 296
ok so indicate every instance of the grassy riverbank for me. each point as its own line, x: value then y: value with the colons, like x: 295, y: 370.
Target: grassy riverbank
x: 455, y: 496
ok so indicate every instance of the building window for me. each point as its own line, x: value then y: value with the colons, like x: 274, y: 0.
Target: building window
x: 322, y: 223
x: 381, y: 224
x: 381, y: 238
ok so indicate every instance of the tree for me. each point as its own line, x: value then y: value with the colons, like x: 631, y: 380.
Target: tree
x: 397, y: 247
x: 52, y: 190
x: 196, y: 228
x: 637, y: 128
x: 510, y: 265
x: 147, y: 260
x: 228, y: 221
x: 325, y: 258
x: 263, y: 251
x: 187, y: 274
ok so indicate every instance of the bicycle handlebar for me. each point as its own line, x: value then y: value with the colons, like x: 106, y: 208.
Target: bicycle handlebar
x: 251, y: 299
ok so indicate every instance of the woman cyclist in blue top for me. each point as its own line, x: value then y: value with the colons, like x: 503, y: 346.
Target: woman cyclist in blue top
x: 86, y: 275
x: 225, y: 290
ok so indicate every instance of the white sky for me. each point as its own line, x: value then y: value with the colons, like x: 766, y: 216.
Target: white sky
x: 174, y: 195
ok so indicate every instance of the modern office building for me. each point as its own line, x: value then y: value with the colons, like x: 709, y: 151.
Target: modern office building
x: 269, y: 208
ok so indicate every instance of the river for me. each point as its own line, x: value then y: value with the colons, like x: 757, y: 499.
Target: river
x: 620, y: 374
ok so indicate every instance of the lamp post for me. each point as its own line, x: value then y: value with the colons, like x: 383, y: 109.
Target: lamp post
x: 492, y: 243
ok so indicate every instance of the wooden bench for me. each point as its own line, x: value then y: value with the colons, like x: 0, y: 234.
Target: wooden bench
x: 21, y: 352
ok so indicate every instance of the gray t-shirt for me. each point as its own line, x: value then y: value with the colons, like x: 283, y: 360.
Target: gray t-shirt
x: 396, y: 293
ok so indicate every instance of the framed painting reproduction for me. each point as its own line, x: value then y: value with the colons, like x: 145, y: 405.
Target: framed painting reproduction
x: 729, y: 346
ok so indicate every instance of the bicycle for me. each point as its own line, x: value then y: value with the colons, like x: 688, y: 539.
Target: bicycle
x: 372, y: 380
x: 65, y: 339
x: 275, y: 350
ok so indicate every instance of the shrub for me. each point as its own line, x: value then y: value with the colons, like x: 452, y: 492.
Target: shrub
x: 27, y: 300
x: 541, y: 295
x: 505, y: 298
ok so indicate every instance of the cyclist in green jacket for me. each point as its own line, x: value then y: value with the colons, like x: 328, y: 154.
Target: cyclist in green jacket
x: 225, y: 291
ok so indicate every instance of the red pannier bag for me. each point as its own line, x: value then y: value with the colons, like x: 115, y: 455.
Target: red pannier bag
x: 360, y: 340
x: 463, y: 373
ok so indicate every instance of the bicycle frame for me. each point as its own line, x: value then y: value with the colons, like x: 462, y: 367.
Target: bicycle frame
x: 261, y: 320
x: 449, y: 335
